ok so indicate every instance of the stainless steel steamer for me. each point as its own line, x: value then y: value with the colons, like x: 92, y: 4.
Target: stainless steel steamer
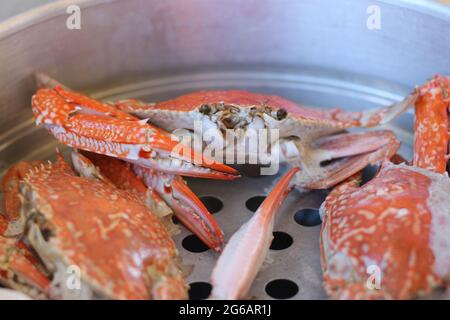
x: 317, y: 52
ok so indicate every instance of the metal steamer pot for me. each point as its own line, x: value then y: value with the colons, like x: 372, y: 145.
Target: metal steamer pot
x: 318, y: 52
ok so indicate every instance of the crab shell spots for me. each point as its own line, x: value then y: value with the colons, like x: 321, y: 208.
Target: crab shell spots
x: 10, y: 187
x: 121, y: 248
x: 431, y: 128
x: 393, y: 222
x: 50, y: 108
x: 83, y: 101
x: 110, y: 129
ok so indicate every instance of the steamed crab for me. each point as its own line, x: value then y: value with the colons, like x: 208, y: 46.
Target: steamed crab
x: 87, y: 124
x: 395, y: 227
x: 116, y: 247
x: 144, y: 156
x: 310, y: 139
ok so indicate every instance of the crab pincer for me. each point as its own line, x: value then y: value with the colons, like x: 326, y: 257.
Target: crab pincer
x: 87, y: 124
x: 247, y: 249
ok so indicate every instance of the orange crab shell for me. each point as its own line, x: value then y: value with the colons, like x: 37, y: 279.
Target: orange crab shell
x: 241, y: 98
x: 307, y: 137
x: 431, y: 127
x: 120, y: 174
x: 244, y: 99
x: 398, y: 222
x: 122, y: 250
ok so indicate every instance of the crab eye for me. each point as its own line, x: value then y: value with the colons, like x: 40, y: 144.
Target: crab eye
x: 205, y: 109
x: 281, y: 114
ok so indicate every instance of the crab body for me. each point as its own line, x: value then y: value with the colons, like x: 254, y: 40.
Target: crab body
x: 306, y: 137
x: 398, y: 224
x: 120, y: 249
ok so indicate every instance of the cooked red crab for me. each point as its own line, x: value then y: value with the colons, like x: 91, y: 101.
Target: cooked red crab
x: 84, y: 123
x: 390, y: 238
x: 119, y: 246
x: 87, y: 124
x: 308, y: 138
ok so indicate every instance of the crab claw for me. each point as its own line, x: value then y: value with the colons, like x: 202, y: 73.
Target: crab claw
x: 431, y: 126
x: 331, y: 159
x: 245, y: 252
x: 87, y: 124
x: 186, y: 205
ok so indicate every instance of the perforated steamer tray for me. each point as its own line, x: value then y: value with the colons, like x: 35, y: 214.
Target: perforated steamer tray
x: 294, y: 271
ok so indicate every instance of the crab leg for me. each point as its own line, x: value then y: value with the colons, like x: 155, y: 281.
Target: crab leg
x: 84, y: 123
x: 431, y: 127
x: 244, y: 254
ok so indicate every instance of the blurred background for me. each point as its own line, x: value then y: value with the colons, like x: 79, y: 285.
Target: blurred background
x: 9, y: 8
